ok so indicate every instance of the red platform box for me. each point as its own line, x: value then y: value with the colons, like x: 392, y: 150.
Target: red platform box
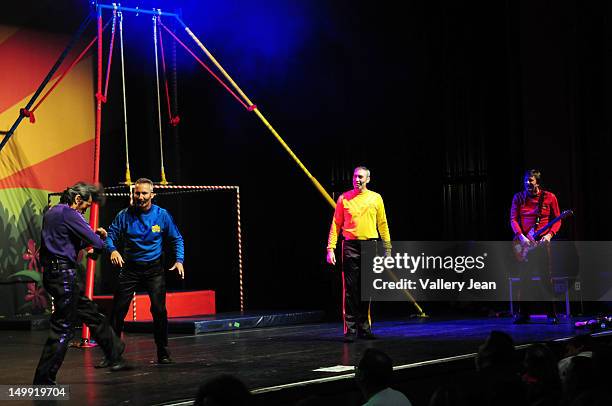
x: 178, y: 304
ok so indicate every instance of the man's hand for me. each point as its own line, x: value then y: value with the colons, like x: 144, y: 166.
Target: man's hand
x: 116, y: 259
x: 179, y: 267
x: 102, y: 233
x: 547, y: 238
x: 524, y: 240
x: 92, y: 254
x: 331, y: 257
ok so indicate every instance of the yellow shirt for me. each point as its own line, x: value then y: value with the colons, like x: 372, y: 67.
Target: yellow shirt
x: 361, y: 216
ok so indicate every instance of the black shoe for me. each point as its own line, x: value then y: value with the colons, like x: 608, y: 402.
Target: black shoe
x: 366, y: 335
x: 349, y: 337
x: 104, y: 363
x: 165, y: 360
x: 119, y: 365
x: 521, y: 319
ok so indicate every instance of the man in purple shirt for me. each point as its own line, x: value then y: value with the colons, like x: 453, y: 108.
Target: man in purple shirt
x: 64, y: 233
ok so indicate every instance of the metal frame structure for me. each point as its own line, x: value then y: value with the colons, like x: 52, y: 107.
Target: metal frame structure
x: 97, y: 9
x: 182, y: 189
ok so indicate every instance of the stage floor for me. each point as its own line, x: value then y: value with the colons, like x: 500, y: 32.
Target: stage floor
x: 263, y: 358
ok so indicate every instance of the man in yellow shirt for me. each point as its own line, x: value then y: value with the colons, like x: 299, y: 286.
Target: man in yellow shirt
x: 360, y: 214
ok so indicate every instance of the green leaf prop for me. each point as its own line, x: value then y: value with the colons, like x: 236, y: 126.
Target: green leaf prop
x: 34, y: 275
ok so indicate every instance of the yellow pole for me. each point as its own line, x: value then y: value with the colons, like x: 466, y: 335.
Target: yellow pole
x: 254, y: 108
x: 409, y: 296
x: 314, y: 180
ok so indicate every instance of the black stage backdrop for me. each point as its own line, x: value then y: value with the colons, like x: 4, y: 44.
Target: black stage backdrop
x: 447, y: 102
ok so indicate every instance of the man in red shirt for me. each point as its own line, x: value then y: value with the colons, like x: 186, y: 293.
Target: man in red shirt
x: 531, y: 211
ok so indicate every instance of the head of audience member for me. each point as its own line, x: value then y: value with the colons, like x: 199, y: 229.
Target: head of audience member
x: 540, y: 365
x: 497, y: 352
x: 142, y: 195
x: 223, y: 390
x: 81, y: 195
x: 374, y: 372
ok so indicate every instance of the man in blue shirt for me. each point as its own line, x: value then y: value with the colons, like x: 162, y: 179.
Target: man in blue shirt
x: 64, y: 233
x: 142, y: 229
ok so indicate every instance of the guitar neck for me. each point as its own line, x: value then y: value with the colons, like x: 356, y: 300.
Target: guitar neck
x: 548, y: 226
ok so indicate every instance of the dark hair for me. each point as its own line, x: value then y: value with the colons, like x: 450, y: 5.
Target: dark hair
x: 533, y: 172
x: 223, y: 390
x: 540, y: 363
x: 85, y: 190
x: 375, y: 369
x: 497, y: 351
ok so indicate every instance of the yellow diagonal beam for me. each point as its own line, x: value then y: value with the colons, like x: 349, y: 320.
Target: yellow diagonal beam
x: 254, y: 108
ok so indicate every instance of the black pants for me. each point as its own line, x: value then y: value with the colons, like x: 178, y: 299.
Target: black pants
x: 355, y: 310
x: 153, y: 279
x: 71, y: 306
x: 537, y: 296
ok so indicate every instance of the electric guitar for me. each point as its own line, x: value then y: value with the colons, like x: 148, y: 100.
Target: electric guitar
x: 521, y: 249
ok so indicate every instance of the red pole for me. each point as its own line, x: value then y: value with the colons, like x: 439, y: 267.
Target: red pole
x: 94, y: 212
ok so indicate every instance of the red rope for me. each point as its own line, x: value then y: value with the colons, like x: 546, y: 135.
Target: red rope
x: 110, y: 55
x: 174, y: 120
x: 101, y: 97
x: 206, y: 67
x: 30, y: 113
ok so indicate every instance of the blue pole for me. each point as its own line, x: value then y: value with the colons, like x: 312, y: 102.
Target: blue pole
x: 156, y: 12
x: 55, y: 67
x: 181, y: 22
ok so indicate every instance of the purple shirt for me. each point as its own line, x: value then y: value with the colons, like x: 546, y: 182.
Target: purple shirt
x: 64, y: 233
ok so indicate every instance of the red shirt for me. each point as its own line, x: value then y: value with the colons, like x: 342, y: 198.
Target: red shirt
x: 525, y: 208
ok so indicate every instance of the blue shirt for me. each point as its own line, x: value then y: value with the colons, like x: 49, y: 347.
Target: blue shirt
x: 64, y: 233
x: 143, y: 234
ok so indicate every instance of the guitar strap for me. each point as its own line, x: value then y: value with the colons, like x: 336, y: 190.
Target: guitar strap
x: 539, y: 213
